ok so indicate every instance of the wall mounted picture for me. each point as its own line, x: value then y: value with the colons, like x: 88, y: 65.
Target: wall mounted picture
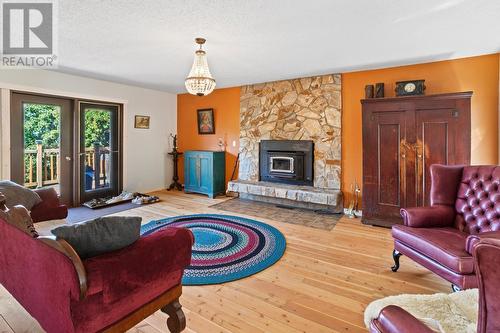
x: 141, y: 122
x: 206, y: 123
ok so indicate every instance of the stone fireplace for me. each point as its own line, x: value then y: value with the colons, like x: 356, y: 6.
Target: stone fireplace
x: 286, y: 112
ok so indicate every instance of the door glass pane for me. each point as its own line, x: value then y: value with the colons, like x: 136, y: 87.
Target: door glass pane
x: 97, y: 141
x: 42, y: 137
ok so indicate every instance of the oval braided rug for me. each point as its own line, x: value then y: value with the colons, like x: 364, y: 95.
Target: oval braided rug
x: 226, y: 248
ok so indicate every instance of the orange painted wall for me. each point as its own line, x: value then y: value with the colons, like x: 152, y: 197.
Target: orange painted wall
x: 478, y: 74
x: 226, y: 105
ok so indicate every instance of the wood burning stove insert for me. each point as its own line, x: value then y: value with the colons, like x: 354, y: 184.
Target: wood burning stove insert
x: 287, y: 161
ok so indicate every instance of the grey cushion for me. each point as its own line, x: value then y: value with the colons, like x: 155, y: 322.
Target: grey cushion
x: 104, y: 234
x: 18, y: 195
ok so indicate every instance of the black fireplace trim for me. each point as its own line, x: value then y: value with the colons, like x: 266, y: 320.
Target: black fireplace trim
x: 304, y: 148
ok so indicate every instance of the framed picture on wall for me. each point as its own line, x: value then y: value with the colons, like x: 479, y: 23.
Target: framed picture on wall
x: 141, y: 122
x: 206, y: 124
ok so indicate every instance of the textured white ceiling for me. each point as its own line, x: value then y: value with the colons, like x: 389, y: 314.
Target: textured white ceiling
x: 150, y: 43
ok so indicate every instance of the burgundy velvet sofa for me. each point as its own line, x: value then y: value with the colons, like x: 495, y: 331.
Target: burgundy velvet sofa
x: 393, y: 319
x: 107, y: 293
x: 465, y: 207
x: 50, y: 208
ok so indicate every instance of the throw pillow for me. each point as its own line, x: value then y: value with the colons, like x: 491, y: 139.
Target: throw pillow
x: 18, y: 195
x: 104, y: 234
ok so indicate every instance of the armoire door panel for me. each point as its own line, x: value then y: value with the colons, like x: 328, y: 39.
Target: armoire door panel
x: 440, y: 136
x: 389, y: 180
x: 433, y: 144
x: 384, y: 164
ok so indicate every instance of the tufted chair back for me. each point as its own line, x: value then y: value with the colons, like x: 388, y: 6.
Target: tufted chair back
x: 478, y: 199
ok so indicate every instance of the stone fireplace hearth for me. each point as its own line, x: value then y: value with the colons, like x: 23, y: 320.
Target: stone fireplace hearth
x: 299, y: 109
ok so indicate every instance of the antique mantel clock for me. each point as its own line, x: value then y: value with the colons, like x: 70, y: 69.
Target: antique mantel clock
x: 408, y: 88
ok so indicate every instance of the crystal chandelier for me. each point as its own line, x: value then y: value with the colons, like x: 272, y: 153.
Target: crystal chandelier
x: 199, y: 81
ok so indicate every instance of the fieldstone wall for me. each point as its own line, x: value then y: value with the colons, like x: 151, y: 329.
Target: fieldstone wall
x: 299, y: 109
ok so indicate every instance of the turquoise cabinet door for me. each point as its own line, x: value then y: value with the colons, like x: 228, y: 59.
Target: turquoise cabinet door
x: 206, y: 181
x: 192, y: 180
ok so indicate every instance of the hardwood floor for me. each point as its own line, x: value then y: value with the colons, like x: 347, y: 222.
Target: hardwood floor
x: 322, y: 284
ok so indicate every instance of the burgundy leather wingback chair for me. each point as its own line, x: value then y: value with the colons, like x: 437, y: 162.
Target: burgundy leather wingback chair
x: 50, y: 208
x: 465, y: 207
x: 393, y: 319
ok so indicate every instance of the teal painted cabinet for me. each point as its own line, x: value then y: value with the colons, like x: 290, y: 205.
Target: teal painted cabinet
x: 205, y: 172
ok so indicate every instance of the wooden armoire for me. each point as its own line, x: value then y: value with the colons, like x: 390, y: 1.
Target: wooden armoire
x: 402, y: 137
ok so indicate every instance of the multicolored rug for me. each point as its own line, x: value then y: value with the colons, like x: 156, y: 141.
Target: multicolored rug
x: 226, y: 248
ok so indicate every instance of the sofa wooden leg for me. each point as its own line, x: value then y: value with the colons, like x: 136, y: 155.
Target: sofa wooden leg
x: 455, y: 288
x: 395, y: 255
x: 176, y: 319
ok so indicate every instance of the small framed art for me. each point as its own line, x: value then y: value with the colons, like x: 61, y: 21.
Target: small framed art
x: 141, y: 122
x: 206, y: 124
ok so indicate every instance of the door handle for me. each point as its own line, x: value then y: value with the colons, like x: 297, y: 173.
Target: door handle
x: 68, y: 158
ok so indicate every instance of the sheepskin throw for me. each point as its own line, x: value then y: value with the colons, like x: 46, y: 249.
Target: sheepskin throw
x: 444, y: 313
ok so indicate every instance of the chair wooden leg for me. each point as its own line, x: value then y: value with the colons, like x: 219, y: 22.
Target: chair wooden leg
x: 395, y: 255
x: 176, y: 319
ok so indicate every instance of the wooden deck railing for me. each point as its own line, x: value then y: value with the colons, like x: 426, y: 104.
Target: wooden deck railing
x: 42, y: 166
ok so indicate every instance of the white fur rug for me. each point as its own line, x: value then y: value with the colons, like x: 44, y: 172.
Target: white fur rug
x: 445, y: 313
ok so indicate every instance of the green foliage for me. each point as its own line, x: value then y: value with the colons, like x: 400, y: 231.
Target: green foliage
x: 97, y: 127
x: 41, y: 122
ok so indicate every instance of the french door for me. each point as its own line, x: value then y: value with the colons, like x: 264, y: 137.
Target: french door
x: 42, y: 143
x: 70, y: 145
x: 99, y: 150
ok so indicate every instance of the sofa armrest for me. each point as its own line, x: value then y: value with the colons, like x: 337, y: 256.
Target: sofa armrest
x: 157, y: 259
x: 39, y: 277
x: 50, y: 208
x: 473, y: 240
x: 65, y: 248
x: 428, y: 217
x: 393, y: 319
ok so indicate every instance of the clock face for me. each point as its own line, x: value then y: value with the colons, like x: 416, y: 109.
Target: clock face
x: 410, y: 87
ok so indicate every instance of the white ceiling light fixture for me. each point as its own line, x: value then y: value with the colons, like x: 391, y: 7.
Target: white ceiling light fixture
x: 199, y: 81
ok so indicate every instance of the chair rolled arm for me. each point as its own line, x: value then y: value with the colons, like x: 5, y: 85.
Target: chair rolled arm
x: 473, y: 240
x: 393, y: 319
x: 41, y: 213
x: 50, y: 208
x: 428, y: 217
